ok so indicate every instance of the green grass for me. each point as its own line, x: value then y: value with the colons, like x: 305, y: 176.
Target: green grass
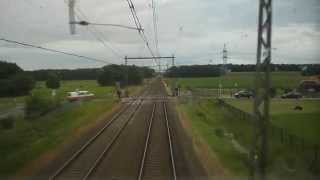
x: 88, y: 85
x: 242, y: 79
x: 305, y: 123
x: 66, y: 86
x: 206, y: 116
x: 32, y: 137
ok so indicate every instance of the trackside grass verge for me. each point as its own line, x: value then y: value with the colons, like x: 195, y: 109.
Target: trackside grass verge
x: 230, y: 139
x: 209, y: 124
x: 303, y: 123
x: 30, y: 138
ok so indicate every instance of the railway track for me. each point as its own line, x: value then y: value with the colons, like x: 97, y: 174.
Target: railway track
x: 81, y: 164
x: 157, y: 160
x: 156, y: 151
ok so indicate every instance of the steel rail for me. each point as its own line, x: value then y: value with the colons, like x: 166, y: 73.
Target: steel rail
x: 170, y: 141
x: 108, y: 147
x: 146, y: 143
x: 88, y: 143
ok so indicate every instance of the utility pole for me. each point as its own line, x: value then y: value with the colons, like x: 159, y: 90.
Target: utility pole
x: 258, y: 153
x: 225, y: 58
x: 72, y: 17
x: 126, y: 67
x: 172, y: 60
x: 159, y: 65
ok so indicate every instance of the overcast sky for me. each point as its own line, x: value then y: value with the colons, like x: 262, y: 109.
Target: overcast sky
x: 194, y: 30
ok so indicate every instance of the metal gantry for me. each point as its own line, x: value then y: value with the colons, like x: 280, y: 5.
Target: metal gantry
x: 259, y: 150
x: 225, y: 55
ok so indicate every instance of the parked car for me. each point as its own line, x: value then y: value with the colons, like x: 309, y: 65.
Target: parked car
x: 79, y: 95
x: 310, y: 86
x: 291, y: 95
x: 243, y: 93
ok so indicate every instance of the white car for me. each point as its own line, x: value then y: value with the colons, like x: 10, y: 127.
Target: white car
x: 79, y: 95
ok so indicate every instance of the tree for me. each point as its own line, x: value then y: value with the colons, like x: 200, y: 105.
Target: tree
x: 13, y: 81
x: 8, y: 69
x: 105, y: 78
x: 135, y: 75
x: 117, y: 73
x: 310, y: 70
x: 21, y: 84
x: 53, y: 81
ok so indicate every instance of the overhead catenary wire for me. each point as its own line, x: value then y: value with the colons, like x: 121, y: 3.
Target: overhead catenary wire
x: 155, y: 26
x: 95, y: 33
x: 103, y: 40
x: 55, y: 51
x: 139, y: 26
x: 86, y: 23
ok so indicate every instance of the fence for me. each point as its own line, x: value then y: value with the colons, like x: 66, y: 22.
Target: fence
x: 213, y: 92
x: 280, y: 136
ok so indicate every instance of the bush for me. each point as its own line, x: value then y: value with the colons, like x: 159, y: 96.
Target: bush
x: 39, y: 103
x: 53, y: 81
x: 7, y: 122
x: 18, y: 85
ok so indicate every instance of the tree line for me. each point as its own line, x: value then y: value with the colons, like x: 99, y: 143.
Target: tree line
x: 14, y: 81
x: 125, y: 75
x: 79, y: 74
x: 194, y: 71
x: 217, y: 70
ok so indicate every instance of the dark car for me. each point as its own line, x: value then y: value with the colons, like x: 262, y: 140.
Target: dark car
x: 243, y: 93
x: 291, y: 95
x: 310, y: 86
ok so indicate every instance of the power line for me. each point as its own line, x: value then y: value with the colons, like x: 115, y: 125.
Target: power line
x: 53, y: 50
x: 86, y: 23
x: 95, y: 33
x: 139, y: 26
x: 155, y: 26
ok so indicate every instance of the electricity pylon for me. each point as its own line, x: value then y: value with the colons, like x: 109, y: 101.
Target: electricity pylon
x: 259, y: 150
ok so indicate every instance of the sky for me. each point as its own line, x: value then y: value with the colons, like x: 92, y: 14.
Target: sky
x: 195, y: 31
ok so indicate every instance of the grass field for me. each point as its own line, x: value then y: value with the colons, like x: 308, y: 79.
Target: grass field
x: 242, y: 79
x: 67, y: 86
x: 88, y: 85
x: 205, y: 119
x: 32, y: 137
x: 208, y: 118
x: 305, y: 123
